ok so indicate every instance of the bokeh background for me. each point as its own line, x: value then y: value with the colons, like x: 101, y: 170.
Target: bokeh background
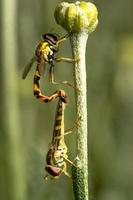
x: 26, y: 124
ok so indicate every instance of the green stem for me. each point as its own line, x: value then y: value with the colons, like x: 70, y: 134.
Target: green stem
x: 79, y: 19
x: 78, y: 43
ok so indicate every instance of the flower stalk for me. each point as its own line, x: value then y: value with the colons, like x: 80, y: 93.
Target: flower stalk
x: 79, y: 19
x: 78, y: 43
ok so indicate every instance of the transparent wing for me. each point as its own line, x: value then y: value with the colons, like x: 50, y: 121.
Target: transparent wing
x: 41, y: 67
x: 28, y: 67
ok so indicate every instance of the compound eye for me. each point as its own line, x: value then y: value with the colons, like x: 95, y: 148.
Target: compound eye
x: 52, y: 38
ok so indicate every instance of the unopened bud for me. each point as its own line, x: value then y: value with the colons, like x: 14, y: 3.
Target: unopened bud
x: 76, y: 17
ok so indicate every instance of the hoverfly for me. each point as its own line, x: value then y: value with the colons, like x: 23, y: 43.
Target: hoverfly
x: 45, y: 53
x: 57, y: 157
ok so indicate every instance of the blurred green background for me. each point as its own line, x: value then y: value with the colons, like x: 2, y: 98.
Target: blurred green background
x: 26, y: 124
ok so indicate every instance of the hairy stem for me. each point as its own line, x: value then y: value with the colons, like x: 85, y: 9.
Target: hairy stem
x: 78, y: 43
x: 79, y: 19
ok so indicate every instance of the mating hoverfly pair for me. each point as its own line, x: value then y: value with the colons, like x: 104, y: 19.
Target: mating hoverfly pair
x: 45, y: 53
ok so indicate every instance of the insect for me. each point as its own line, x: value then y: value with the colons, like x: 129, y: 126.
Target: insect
x: 45, y: 53
x: 57, y: 157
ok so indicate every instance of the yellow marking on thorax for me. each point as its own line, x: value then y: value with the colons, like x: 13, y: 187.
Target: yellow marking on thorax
x: 43, y: 44
x: 45, y: 48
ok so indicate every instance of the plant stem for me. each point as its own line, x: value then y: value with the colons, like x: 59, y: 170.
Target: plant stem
x: 79, y: 19
x: 78, y: 43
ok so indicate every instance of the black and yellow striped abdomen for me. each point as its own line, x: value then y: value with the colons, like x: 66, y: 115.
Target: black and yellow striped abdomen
x: 58, y: 148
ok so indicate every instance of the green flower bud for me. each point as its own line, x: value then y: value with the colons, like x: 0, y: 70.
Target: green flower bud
x: 76, y: 17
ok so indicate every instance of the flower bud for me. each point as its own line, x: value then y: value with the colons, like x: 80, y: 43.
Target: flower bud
x: 76, y: 17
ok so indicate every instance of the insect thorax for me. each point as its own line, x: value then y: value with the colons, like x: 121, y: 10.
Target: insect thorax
x: 44, y: 52
x: 55, y: 155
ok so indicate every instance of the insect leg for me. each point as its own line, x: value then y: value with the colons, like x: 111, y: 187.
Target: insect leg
x: 70, y: 130
x: 40, y: 96
x: 51, y: 79
x: 65, y: 170
x: 69, y: 60
x: 69, y: 161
